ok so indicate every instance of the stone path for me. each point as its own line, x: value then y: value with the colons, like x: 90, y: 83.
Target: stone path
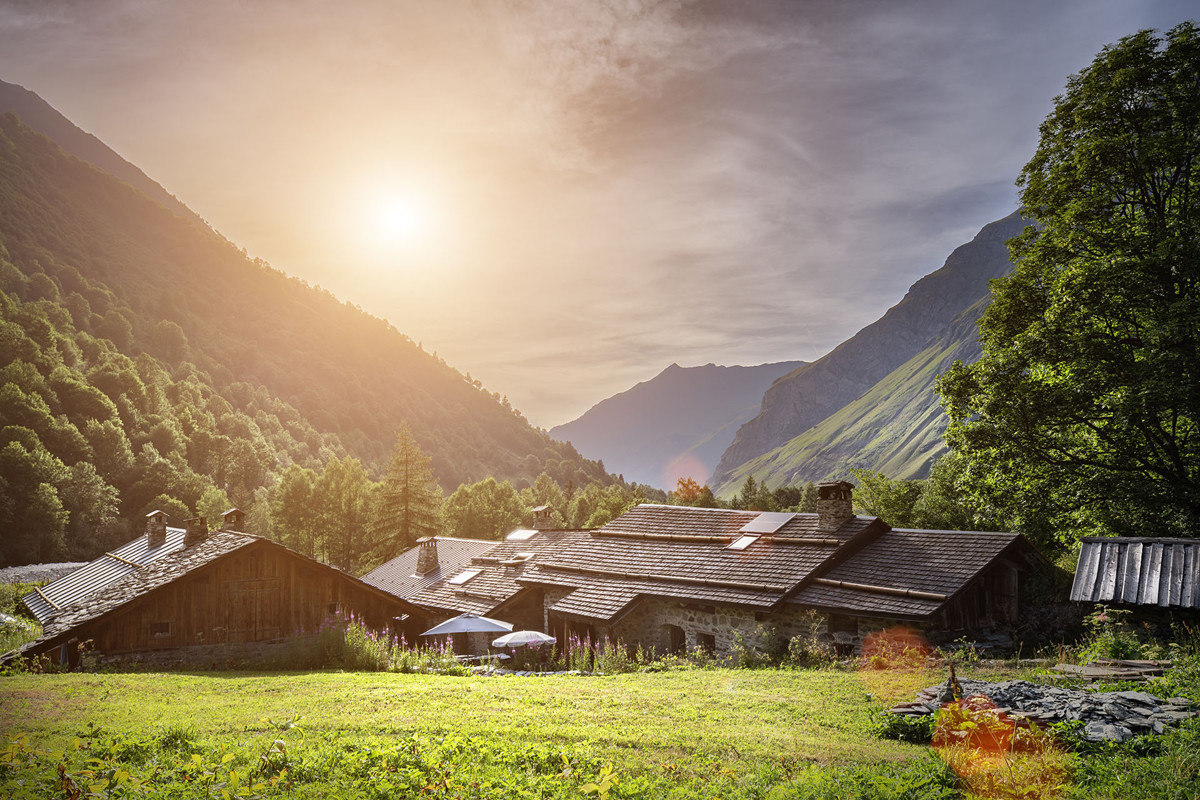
x: 1112, y: 716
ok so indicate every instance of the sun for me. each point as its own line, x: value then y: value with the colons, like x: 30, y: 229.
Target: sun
x: 400, y: 219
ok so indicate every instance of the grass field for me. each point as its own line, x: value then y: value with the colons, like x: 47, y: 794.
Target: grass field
x: 687, y: 733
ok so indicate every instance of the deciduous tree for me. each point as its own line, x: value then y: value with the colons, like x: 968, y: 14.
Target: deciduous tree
x: 1082, y: 415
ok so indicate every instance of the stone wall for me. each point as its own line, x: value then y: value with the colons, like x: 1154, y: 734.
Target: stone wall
x: 720, y: 626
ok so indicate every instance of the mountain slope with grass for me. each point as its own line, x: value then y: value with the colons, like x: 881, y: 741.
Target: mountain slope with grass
x: 674, y: 425
x: 895, y: 427
x: 942, y: 304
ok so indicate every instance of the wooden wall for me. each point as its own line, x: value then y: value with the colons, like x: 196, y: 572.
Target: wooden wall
x: 258, y: 593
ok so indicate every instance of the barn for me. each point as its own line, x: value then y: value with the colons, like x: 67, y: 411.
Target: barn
x: 223, y: 588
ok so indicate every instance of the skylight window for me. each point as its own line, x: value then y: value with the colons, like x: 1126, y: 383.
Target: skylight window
x: 742, y: 543
x: 521, y: 535
x: 463, y: 577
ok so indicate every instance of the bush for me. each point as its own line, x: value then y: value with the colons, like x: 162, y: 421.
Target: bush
x: 903, y: 728
x: 1110, y: 635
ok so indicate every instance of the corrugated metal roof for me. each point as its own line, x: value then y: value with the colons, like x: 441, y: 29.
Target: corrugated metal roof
x: 47, y: 601
x: 1138, y: 571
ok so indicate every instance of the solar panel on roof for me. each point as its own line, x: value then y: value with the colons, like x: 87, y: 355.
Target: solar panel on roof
x: 768, y: 522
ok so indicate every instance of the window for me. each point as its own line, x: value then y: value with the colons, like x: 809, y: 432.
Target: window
x: 463, y: 577
x: 706, y: 642
x: 160, y: 630
x: 676, y: 638
x: 521, y: 535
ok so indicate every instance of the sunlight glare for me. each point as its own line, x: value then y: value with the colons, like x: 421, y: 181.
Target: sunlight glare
x: 400, y: 220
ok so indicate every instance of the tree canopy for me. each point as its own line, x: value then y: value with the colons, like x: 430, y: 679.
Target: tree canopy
x: 1081, y: 416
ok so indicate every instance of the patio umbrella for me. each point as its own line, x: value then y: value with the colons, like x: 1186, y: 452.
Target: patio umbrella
x: 519, y: 638
x: 468, y: 623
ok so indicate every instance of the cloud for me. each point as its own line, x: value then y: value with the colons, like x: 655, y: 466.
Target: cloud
x: 618, y: 185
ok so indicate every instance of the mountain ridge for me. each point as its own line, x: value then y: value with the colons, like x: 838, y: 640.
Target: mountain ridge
x: 802, y: 399
x: 40, y: 116
x: 673, y: 425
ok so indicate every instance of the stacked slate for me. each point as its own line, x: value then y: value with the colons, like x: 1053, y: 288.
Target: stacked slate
x: 1107, y: 716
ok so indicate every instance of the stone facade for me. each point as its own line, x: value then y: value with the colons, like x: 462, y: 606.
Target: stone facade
x: 667, y: 625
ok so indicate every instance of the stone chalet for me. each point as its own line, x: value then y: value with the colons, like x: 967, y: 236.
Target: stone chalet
x: 674, y: 577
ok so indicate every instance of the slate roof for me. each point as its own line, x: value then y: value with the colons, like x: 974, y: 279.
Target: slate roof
x: 651, y: 518
x: 46, y: 601
x: 1157, y: 572
x: 922, y: 561
x: 681, y: 552
x: 684, y: 553
x: 399, y: 577
x: 497, y: 581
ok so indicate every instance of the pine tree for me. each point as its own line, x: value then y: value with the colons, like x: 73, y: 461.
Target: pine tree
x: 410, y: 501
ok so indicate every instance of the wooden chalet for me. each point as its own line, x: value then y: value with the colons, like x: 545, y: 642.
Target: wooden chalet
x: 221, y: 588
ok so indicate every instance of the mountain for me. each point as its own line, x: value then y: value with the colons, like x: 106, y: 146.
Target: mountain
x: 674, y: 425
x: 870, y: 402
x: 46, y: 120
x: 142, y: 355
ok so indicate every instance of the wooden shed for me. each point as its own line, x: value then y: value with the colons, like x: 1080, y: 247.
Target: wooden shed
x: 223, y: 588
x: 1138, y: 571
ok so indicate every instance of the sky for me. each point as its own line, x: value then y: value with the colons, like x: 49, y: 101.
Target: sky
x: 564, y: 198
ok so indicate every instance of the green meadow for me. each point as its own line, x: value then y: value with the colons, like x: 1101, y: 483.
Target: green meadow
x: 767, y: 733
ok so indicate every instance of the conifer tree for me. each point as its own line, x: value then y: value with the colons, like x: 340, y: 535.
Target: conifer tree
x: 410, y: 501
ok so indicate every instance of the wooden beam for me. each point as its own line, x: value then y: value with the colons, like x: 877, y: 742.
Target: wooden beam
x: 42, y: 595
x: 702, y: 539
x: 867, y: 587
x: 123, y: 560
x: 651, y: 576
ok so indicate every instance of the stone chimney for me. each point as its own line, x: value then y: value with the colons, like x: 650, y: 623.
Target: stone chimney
x: 427, y: 557
x: 156, y: 529
x: 195, y: 531
x: 835, y: 505
x: 543, y: 518
x: 232, y: 519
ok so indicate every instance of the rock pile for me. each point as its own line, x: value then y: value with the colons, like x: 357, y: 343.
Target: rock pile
x: 1112, y: 716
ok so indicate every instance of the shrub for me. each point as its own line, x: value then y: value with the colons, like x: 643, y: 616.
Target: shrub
x: 1110, y: 635
x: 903, y: 728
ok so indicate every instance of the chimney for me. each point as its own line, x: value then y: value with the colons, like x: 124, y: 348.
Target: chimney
x: 543, y: 518
x: 427, y: 557
x: 835, y: 504
x: 233, y: 519
x: 156, y: 529
x: 195, y: 531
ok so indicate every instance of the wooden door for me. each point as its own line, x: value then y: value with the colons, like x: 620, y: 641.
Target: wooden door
x: 254, y: 611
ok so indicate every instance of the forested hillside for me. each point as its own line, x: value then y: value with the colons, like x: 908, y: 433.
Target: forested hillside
x: 145, y: 359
